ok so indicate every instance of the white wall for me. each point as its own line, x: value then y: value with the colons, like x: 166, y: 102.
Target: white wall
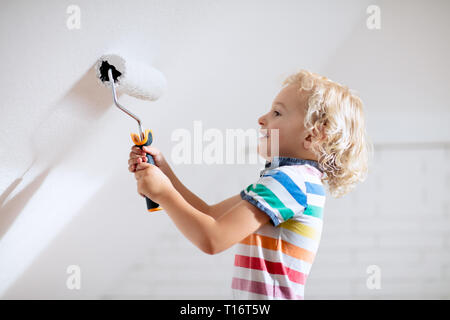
x: 66, y: 196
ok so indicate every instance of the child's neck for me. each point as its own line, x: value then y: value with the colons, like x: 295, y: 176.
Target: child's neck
x: 305, y: 155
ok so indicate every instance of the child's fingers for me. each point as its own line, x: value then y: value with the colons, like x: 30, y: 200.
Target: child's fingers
x: 137, y: 156
x: 150, y: 149
x: 142, y: 166
x: 139, y: 173
x: 137, y: 153
x: 136, y: 149
x: 136, y: 160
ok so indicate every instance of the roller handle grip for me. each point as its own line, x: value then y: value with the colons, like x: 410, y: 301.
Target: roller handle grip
x: 151, y: 205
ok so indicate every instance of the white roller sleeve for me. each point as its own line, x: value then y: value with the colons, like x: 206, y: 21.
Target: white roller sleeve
x: 137, y: 79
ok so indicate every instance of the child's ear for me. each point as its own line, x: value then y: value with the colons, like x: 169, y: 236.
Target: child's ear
x: 319, y: 135
x: 307, y: 142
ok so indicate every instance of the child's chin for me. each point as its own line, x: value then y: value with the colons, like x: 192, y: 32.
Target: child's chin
x: 262, y: 151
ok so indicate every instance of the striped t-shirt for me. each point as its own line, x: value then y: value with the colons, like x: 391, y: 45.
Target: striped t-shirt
x: 274, y: 262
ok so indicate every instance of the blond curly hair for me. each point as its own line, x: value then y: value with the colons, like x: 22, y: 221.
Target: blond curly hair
x: 335, y: 120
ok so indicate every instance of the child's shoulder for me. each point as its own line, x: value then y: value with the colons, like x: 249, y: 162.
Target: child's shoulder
x: 303, y: 176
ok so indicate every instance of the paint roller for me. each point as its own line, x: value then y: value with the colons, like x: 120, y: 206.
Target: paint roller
x: 138, y: 80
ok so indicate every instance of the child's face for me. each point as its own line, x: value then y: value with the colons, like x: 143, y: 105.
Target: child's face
x: 286, y: 115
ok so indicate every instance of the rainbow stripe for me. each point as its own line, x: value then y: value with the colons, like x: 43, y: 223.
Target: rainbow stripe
x: 274, y: 262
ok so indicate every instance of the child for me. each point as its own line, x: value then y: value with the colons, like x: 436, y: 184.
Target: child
x: 277, y: 221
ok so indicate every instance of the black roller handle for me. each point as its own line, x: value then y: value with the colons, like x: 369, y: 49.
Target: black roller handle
x: 148, y: 139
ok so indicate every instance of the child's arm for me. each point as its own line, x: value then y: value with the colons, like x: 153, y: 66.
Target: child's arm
x: 137, y: 157
x: 208, y: 234
x: 218, y: 209
x: 187, y: 194
x: 212, y: 210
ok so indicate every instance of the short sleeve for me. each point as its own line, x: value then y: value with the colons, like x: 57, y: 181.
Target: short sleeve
x: 280, y: 193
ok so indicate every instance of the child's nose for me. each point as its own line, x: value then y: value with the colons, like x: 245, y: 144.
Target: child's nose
x: 261, y: 120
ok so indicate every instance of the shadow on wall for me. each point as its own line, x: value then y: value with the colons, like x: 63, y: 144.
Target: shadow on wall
x: 99, y: 240
x: 66, y: 126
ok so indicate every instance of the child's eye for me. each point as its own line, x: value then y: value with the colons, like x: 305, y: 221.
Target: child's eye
x: 277, y: 113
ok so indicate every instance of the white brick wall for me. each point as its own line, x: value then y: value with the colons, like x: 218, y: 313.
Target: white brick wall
x: 399, y: 220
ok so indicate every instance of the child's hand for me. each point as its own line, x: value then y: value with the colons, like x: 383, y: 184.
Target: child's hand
x: 138, y: 156
x: 152, y: 182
